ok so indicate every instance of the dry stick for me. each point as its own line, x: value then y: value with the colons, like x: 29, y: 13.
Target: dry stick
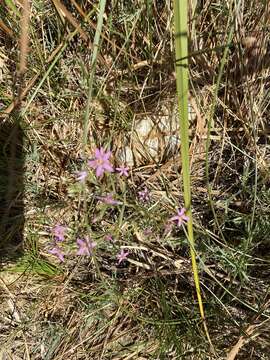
x: 24, y: 45
x: 78, y: 8
x: 62, y: 10
x: 6, y: 29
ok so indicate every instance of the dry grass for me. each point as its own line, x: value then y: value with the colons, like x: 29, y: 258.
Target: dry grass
x: 146, y: 308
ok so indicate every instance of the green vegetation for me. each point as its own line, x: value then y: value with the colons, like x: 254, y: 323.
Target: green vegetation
x: 94, y: 172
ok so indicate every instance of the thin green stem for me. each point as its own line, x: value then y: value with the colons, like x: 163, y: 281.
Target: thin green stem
x: 209, y: 127
x: 92, y: 72
x: 181, y: 50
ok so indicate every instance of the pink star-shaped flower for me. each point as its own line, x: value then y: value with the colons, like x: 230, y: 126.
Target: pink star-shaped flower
x: 81, y: 175
x: 101, y: 162
x: 57, y: 252
x: 122, y: 256
x: 86, y: 246
x: 144, y: 195
x: 59, y: 232
x: 123, y: 171
x: 180, y: 217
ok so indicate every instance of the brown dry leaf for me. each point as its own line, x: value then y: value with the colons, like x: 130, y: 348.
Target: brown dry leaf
x: 240, y: 343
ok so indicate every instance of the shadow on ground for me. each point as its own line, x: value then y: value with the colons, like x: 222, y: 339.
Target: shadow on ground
x: 11, y: 189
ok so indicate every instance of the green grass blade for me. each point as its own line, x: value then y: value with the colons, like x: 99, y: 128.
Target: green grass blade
x: 102, y: 5
x: 181, y: 50
x: 209, y: 126
x: 12, y: 6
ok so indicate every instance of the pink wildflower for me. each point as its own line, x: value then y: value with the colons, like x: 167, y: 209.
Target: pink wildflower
x: 122, y: 256
x: 144, y: 195
x: 57, y: 252
x: 86, y: 246
x: 109, y: 237
x: 59, y: 232
x: 81, y: 175
x: 180, y: 217
x: 123, y: 171
x: 148, y: 231
x: 101, y: 162
x: 108, y: 199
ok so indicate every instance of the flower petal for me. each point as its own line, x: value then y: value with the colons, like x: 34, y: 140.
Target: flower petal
x: 181, y: 212
x: 80, y: 242
x: 107, y: 155
x: 107, y: 166
x: 98, y: 153
x: 92, y: 163
x: 99, y: 171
